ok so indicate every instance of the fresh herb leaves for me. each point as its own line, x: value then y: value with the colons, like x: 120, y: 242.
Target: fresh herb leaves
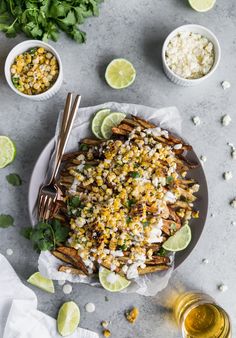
x: 134, y: 174
x: 14, y: 179
x: 45, y: 236
x: 169, y: 179
x: 6, y: 221
x: 162, y: 252
x: 45, y: 18
x: 83, y: 147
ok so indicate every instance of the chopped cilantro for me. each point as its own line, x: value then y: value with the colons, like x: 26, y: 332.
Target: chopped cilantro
x: 134, y: 174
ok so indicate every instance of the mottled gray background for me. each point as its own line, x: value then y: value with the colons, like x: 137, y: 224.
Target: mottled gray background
x: 134, y: 30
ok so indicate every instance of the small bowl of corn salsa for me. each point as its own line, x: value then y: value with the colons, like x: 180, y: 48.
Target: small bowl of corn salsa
x: 33, y: 69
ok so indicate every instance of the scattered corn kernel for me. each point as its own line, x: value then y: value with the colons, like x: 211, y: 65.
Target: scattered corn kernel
x: 106, y: 333
x: 132, y: 315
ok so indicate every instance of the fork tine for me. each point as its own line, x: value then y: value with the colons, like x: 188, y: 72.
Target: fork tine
x: 44, y: 207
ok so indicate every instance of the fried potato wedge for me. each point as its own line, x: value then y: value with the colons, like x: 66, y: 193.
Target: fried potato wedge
x: 119, y: 131
x: 72, y: 253
x: 143, y: 122
x: 152, y: 268
x: 125, y: 127
x: 157, y: 260
x: 91, y: 141
x: 70, y: 270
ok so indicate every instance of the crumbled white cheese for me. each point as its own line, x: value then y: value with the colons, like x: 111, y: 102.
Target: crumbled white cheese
x: 233, y: 223
x: 222, y: 287
x: 225, y: 84
x: 228, y: 175
x: 67, y: 289
x: 170, y: 197
x: 233, y: 203
x: 205, y: 261
x: 61, y: 282
x: 190, y: 55
x: 226, y: 119
x: 9, y: 252
x: 203, y: 158
x: 90, y: 307
x: 233, y: 150
x: 178, y: 146
x: 196, y: 120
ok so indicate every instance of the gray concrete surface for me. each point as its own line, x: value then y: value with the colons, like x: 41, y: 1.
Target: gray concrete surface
x: 134, y: 30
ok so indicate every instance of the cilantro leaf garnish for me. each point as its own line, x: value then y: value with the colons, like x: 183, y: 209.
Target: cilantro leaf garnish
x: 46, y: 236
x: 134, y: 174
x: 6, y: 221
x: 169, y: 179
x: 14, y: 179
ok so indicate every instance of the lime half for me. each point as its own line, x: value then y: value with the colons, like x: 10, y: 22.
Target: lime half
x: 120, y: 73
x: 97, y: 122
x: 180, y: 240
x: 7, y: 151
x: 68, y: 318
x: 41, y: 282
x: 112, y: 281
x: 112, y: 120
x: 202, y: 5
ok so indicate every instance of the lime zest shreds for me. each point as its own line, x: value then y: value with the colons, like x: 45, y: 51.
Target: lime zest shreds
x: 97, y: 122
x: 41, y: 282
x: 112, y: 281
x: 7, y: 151
x: 202, y: 5
x: 112, y: 120
x: 180, y: 240
x: 68, y: 318
x: 120, y: 73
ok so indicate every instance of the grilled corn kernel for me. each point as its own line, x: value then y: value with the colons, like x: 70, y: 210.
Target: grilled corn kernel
x: 132, y: 315
x: 106, y: 333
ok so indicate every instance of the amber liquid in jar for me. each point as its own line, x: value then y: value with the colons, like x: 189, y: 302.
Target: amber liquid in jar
x: 199, y: 317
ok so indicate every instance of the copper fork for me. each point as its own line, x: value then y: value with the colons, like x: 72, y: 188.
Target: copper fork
x: 48, y: 193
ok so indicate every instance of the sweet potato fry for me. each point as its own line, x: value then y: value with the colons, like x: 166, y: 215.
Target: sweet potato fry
x: 62, y: 257
x: 119, y: 131
x: 72, y: 253
x: 70, y: 270
x: 152, y: 268
x: 125, y: 127
x: 131, y: 122
x: 157, y: 260
x: 143, y: 122
x: 91, y: 141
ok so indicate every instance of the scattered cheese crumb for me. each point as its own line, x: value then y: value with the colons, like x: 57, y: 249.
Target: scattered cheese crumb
x: 203, y: 158
x: 225, y: 84
x: 233, y: 223
x: 196, y: 120
x: 228, y: 175
x: 233, y: 203
x: 222, y: 287
x: 205, y: 261
x: 233, y: 150
x: 61, y: 282
x: 90, y: 307
x: 132, y: 315
x: 67, y: 289
x: 106, y: 333
x: 212, y: 215
x: 9, y: 252
x: 104, y: 323
x: 225, y: 120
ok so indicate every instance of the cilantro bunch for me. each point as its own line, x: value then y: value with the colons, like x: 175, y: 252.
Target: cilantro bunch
x: 43, y: 19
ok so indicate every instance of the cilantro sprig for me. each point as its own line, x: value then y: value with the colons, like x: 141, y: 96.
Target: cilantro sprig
x: 46, y: 236
x: 44, y: 19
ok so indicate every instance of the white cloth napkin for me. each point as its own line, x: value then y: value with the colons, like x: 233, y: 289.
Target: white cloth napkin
x: 19, y: 317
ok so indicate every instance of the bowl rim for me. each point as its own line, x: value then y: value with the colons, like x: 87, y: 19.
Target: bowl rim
x: 13, y: 53
x: 188, y: 28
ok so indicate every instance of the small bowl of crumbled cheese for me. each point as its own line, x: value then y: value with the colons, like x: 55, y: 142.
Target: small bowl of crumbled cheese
x: 190, y: 54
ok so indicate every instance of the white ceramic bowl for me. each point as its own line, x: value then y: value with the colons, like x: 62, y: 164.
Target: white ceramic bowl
x: 194, y: 29
x: 23, y: 47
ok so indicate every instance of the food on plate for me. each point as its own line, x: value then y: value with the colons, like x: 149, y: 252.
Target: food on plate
x: 190, y: 55
x: 34, y: 71
x: 132, y: 315
x: 202, y: 5
x: 7, y: 151
x: 120, y: 73
x: 41, y: 282
x: 43, y: 20
x: 123, y: 199
x: 68, y: 319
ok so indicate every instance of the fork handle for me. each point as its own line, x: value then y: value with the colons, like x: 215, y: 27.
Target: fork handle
x: 65, y: 129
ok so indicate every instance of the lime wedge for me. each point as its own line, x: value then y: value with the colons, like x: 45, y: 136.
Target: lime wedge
x: 202, y: 5
x: 7, y: 151
x: 120, y: 73
x: 68, y: 319
x: 109, y: 122
x: 97, y: 122
x: 179, y: 241
x: 112, y: 281
x: 41, y: 282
